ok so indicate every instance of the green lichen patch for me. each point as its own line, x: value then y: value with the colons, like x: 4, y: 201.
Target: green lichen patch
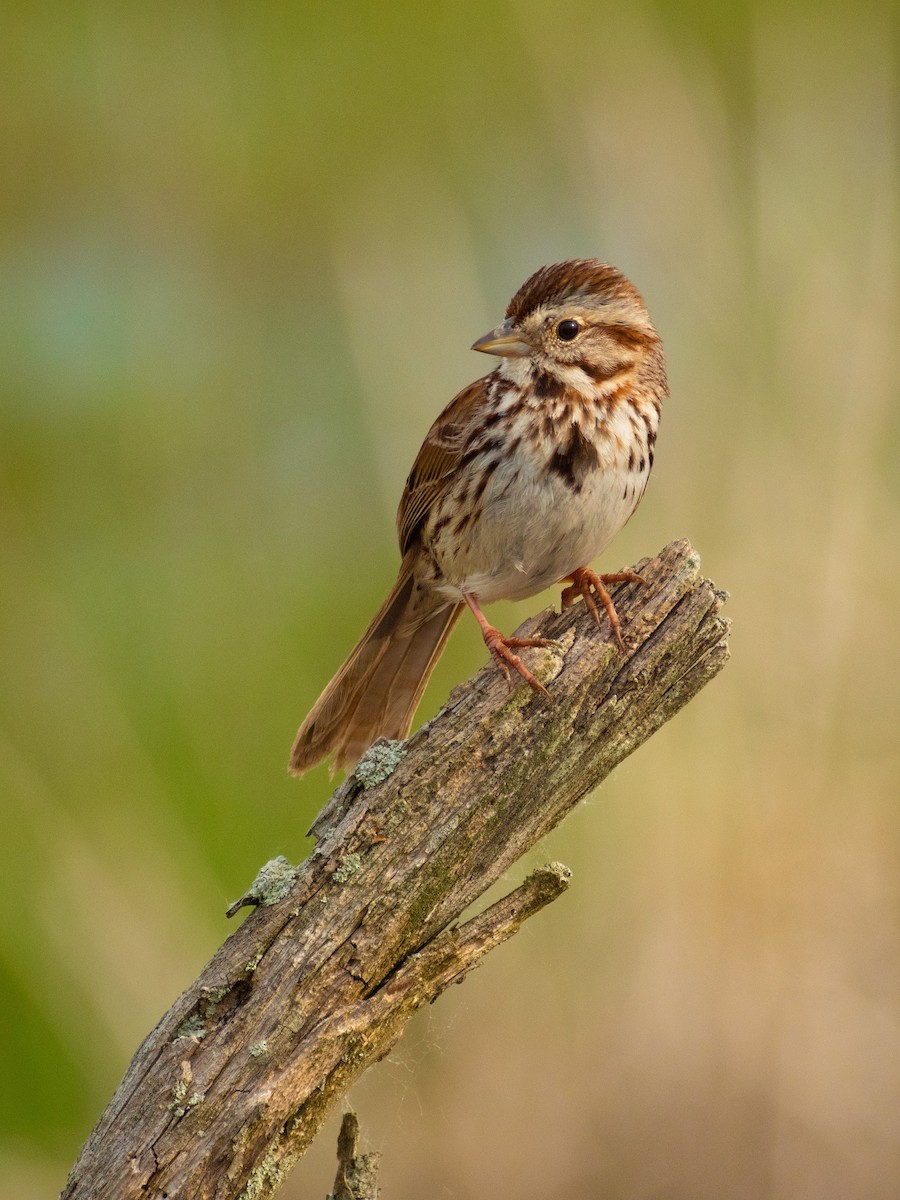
x: 259, y: 1049
x: 214, y: 995
x: 181, y: 1102
x: 378, y: 762
x: 266, y: 1179
x: 348, y: 865
x: 273, y: 882
x: 179, y: 1092
x: 212, y: 1004
x: 191, y: 1027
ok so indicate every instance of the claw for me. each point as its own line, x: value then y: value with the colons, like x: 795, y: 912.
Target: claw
x: 585, y: 583
x: 501, y: 652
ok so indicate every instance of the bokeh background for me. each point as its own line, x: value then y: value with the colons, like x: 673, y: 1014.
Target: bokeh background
x: 244, y: 250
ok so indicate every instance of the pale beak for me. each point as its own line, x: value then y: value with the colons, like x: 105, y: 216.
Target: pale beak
x: 504, y: 341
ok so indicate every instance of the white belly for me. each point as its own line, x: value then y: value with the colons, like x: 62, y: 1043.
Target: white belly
x: 535, y: 530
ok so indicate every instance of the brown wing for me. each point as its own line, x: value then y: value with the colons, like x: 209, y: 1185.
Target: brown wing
x: 437, y: 460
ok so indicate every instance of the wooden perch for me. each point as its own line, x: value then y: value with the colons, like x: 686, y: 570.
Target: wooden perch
x: 229, y: 1089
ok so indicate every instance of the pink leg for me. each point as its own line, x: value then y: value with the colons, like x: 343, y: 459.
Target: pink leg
x: 501, y: 647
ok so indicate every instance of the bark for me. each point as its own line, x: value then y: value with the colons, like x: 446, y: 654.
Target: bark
x: 229, y: 1089
x: 357, y: 1174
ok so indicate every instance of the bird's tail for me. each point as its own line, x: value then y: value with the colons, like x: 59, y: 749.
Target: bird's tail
x: 377, y: 690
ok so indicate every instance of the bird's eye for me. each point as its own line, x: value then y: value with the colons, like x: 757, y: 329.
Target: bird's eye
x: 567, y: 331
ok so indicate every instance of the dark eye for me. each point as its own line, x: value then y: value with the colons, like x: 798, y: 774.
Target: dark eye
x: 567, y: 331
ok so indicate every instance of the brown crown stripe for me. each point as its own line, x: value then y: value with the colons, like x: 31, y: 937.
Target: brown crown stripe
x: 566, y: 281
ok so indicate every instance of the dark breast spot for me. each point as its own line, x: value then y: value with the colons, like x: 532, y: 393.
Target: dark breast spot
x: 547, y: 386
x: 465, y: 519
x: 483, y: 480
x: 480, y: 448
x: 575, y: 461
x: 492, y: 418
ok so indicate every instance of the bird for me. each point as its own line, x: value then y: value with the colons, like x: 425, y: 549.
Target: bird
x: 521, y: 482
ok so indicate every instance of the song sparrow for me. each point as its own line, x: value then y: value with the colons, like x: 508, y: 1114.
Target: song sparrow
x: 524, y: 478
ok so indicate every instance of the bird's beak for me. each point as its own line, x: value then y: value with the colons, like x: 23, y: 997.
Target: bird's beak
x: 504, y: 341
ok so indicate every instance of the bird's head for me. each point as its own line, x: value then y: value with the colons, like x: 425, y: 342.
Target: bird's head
x: 577, y: 314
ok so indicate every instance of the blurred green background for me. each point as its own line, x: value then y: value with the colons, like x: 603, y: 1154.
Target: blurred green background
x: 244, y: 250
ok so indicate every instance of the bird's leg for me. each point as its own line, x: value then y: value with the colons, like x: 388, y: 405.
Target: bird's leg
x: 501, y: 647
x: 585, y: 583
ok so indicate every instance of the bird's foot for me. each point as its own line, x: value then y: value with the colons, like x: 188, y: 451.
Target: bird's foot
x: 501, y: 648
x: 585, y: 583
